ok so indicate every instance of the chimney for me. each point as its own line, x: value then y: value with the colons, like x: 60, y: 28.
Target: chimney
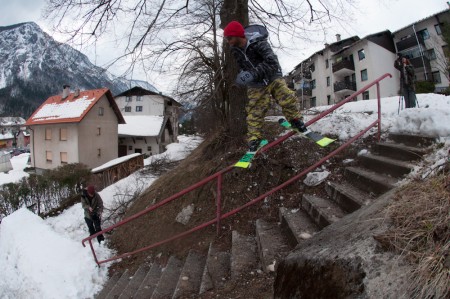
x: 338, y: 37
x: 76, y: 93
x: 66, y: 91
x: 326, y: 45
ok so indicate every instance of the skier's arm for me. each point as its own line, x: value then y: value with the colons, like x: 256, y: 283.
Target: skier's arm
x: 269, y: 66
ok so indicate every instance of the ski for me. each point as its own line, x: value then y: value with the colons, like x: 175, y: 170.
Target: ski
x: 316, y: 137
x: 246, y: 160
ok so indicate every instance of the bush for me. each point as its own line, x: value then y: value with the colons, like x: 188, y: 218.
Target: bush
x: 425, y: 87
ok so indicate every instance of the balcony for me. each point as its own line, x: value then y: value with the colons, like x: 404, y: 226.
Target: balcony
x: 344, y: 86
x: 417, y: 62
x: 409, y: 42
x: 344, y: 68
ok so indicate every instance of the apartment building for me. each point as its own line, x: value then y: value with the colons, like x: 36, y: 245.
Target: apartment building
x: 345, y: 66
x: 423, y: 43
x: 335, y: 72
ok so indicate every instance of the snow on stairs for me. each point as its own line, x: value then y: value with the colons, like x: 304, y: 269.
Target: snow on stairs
x: 377, y: 173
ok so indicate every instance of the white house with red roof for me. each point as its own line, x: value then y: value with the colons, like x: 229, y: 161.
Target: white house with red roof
x: 151, y: 121
x: 78, y: 127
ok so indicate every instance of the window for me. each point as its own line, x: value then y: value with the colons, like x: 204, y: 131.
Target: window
x: 99, y: 152
x: 48, y: 156
x: 364, y: 75
x: 361, y: 54
x: 130, y: 147
x: 312, y: 68
x: 329, y: 99
x: 138, y: 108
x: 149, y: 148
x: 365, y: 95
x: 127, y: 109
x: 100, y: 111
x: 431, y: 54
x: 138, y: 98
x: 313, y: 102
x: 63, y: 156
x: 128, y: 99
x: 328, y: 81
x: 436, y: 77
x: 48, y: 134
x: 63, y: 134
x: 313, y: 84
x: 424, y: 33
x: 437, y: 27
x: 99, y: 131
x: 327, y: 63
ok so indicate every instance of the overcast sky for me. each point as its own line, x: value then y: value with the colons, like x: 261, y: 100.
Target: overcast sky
x: 371, y: 16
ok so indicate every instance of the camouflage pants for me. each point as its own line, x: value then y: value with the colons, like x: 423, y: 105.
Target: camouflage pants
x: 259, y: 100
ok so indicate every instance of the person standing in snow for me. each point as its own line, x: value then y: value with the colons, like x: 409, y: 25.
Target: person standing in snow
x: 260, y: 71
x: 92, y: 205
x: 406, y: 80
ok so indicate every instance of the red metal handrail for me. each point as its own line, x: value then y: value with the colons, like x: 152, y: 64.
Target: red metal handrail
x: 219, y: 177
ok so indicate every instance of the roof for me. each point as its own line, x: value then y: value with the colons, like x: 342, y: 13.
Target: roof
x: 421, y: 20
x: 114, y: 162
x: 371, y: 38
x: 137, y: 90
x: 71, y: 109
x: 142, y: 125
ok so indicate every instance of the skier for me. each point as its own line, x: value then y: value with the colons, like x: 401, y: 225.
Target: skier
x: 406, y: 80
x: 261, y: 73
x: 92, y: 204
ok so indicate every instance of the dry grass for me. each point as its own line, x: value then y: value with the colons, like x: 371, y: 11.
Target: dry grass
x: 421, y: 231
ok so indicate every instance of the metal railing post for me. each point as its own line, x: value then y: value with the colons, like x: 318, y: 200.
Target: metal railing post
x: 379, y: 111
x: 219, y: 201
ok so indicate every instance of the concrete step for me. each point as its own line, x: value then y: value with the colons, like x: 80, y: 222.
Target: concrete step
x: 119, y: 286
x: 217, y: 270
x: 323, y: 212
x: 400, y: 151
x: 349, y: 198
x: 244, y: 257
x: 369, y: 181
x: 296, y: 225
x: 135, y: 282
x: 412, y: 140
x: 149, y: 283
x: 272, y: 244
x: 109, y: 286
x: 169, y: 279
x: 191, y: 276
x: 385, y: 165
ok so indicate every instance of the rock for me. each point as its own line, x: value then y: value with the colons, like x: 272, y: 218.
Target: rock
x: 185, y: 215
x: 315, y: 178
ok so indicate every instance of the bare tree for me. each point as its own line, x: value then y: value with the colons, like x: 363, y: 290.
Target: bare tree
x: 184, y: 36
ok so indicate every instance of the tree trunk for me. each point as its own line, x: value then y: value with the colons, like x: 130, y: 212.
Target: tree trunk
x: 235, y: 98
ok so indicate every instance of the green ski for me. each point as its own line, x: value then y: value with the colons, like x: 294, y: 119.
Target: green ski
x: 316, y: 137
x: 246, y: 160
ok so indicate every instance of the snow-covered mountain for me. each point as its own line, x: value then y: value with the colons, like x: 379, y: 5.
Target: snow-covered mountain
x: 33, y: 66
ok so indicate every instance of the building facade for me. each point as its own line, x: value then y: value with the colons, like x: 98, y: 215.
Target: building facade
x: 151, y: 121
x: 78, y: 127
x: 341, y: 68
x: 422, y: 42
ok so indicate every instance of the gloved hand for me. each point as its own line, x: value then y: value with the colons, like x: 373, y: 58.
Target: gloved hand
x: 298, y: 124
x: 244, y: 78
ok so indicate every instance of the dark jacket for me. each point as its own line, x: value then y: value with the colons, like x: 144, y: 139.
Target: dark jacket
x: 258, y: 57
x: 406, y: 74
x: 95, y: 202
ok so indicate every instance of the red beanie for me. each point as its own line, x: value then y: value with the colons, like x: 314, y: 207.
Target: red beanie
x: 234, y: 28
x: 91, y: 189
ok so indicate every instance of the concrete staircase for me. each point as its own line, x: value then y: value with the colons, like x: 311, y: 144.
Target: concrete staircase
x: 374, y: 174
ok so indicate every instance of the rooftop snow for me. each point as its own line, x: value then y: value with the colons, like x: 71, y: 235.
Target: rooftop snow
x: 63, y: 110
x: 115, y: 162
x: 149, y: 125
